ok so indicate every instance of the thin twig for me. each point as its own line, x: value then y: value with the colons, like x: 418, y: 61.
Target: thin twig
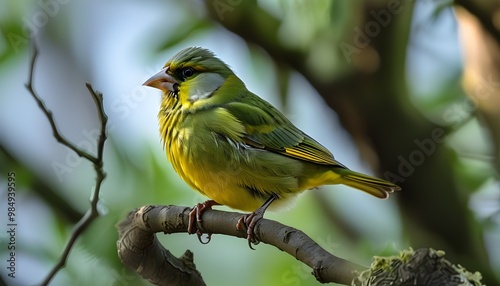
x: 103, y: 118
x: 49, y: 115
x: 97, y: 161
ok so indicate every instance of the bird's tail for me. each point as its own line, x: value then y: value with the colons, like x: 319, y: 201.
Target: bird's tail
x: 371, y: 185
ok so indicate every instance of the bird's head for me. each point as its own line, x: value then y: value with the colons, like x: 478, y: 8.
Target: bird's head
x: 192, y: 75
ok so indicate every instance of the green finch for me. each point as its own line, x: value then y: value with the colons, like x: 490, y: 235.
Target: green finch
x: 236, y: 148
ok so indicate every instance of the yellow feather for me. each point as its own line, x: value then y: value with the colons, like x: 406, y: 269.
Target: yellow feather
x: 236, y: 148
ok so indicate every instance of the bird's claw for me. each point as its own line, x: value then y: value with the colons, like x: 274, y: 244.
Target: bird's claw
x: 199, y: 234
x: 248, y: 222
x: 194, y: 225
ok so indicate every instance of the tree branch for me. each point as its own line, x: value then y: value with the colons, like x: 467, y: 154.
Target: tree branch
x: 139, y: 249
x: 97, y: 161
x: 137, y: 243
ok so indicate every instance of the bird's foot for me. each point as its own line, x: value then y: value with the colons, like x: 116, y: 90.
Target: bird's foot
x: 248, y: 222
x: 195, y: 214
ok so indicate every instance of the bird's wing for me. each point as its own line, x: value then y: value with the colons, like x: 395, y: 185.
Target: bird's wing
x: 267, y: 128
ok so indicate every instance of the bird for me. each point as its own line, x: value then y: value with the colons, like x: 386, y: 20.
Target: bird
x: 237, y: 149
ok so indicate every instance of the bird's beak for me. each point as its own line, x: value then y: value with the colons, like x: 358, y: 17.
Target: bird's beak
x: 162, y: 81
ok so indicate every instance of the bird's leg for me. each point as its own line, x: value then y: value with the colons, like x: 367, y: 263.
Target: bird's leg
x: 195, y: 215
x: 249, y: 221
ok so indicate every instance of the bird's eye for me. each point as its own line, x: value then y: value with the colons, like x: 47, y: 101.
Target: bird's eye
x: 187, y: 72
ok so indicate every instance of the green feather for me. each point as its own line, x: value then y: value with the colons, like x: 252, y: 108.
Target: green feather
x: 236, y: 148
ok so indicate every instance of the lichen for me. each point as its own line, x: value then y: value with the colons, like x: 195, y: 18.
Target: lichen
x: 425, y: 266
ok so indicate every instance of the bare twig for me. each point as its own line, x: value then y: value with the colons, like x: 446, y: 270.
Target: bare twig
x: 48, y: 113
x: 97, y: 161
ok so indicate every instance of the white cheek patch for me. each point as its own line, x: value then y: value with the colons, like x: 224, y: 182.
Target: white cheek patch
x: 204, y: 85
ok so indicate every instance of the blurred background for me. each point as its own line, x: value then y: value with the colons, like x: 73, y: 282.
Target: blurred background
x: 405, y: 90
